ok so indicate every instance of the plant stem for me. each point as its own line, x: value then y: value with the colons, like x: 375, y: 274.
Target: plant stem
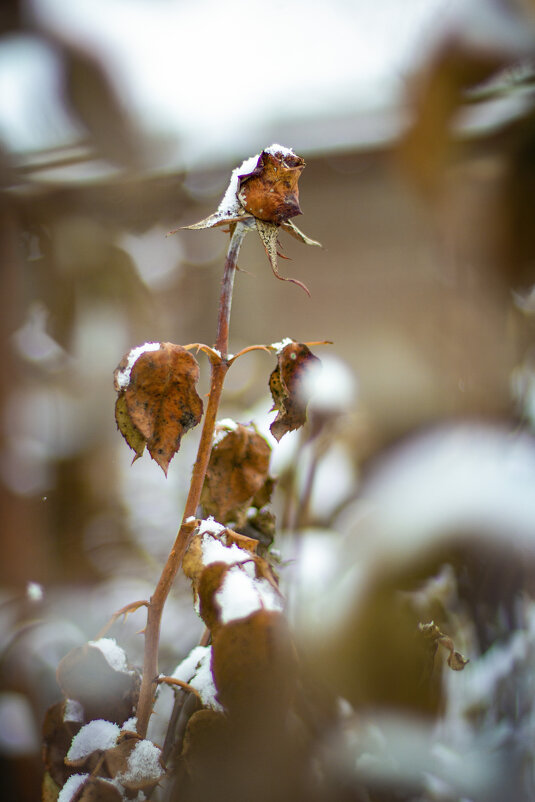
x: 174, y: 560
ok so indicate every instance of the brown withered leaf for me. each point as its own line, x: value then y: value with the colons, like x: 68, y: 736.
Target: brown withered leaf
x: 160, y: 403
x: 254, y: 665
x: 84, y: 674
x: 49, y: 789
x: 97, y: 789
x: 271, y: 192
x: 287, y: 388
x: 237, y: 471
x: 57, y: 738
x: 131, y: 434
x: 209, y: 582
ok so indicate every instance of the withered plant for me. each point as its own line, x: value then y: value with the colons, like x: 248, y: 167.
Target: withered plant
x: 236, y: 687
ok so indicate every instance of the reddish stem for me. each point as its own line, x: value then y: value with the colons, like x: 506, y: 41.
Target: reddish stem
x: 174, y: 560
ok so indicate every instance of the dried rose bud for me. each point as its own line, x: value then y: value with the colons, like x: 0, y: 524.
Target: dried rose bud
x: 263, y: 194
x: 271, y: 191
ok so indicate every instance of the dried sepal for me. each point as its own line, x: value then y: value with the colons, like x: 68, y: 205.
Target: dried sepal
x: 269, y: 233
x: 287, y: 386
x: 456, y: 661
x: 237, y: 471
x: 158, y: 401
x: 214, y: 221
x: 290, y: 227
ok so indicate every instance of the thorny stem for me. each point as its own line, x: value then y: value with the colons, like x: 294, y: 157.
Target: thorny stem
x: 174, y: 560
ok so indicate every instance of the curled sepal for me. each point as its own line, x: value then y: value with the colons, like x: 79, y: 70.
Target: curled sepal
x: 288, y: 387
x: 158, y: 401
x: 268, y: 233
x: 456, y: 661
x: 290, y: 227
x: 213, y: 221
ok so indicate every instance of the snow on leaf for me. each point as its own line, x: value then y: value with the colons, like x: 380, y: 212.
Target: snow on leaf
x: 160, y: 403
x: 135, y: 764
x: 114, y: 654
x: 85, y: 674
x: 71, y: 787
x: 287, y: 384
x: 196, y: 670
x: 96, y: 735
x: 124, y: 369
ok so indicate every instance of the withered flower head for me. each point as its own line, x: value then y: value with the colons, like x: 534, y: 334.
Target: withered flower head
x: 263, y: 193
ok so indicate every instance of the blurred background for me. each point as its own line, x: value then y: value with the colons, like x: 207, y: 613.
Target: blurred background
x: 122, y: 120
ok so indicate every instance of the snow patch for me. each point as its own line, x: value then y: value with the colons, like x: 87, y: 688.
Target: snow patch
x: 98, y: 734
x: 230, y: 206
x: 274, y: 149
x: 143, y: 764
x: 283, y: 343
x: 115, y: 656
x: 68, y: 792
x: 196, y: 670
x: 122, y: 377
x: 73, y: 711
x: 34, y: 591
x: 210, y: 526
x: 214, y: 551
x: 240, y: 595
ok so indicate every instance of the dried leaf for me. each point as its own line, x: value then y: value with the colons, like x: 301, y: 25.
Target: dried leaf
x: 84, y: 674
x: 160, y: 403
x: 97, y: 789
x: 131, y: 434
x: 49, y: 789
x: 57, y: 738
x: 237, y: 471
x: 287, y: 391
x: 254, y: 665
